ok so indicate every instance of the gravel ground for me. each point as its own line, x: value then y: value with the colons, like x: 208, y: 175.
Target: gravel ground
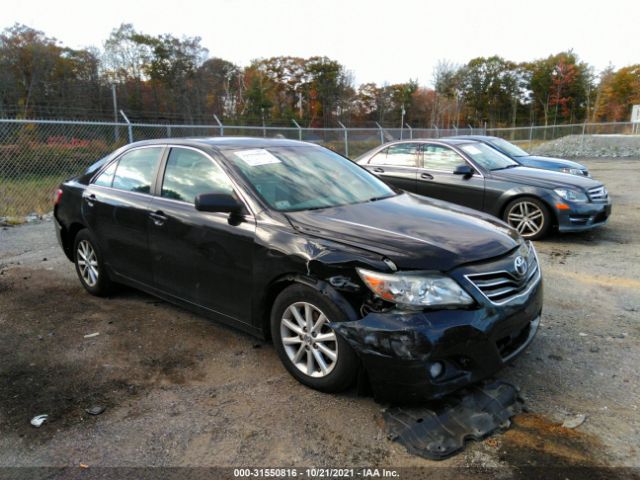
x: 180, y: 390
x: 591, y: 146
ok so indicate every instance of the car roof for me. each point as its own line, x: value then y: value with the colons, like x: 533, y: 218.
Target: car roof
x: 473, y: 137
x: 447, y: 141
x: 226, y: 143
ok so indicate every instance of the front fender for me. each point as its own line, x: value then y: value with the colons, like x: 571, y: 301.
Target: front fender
x: 520, y: 191
x: 283, y: 256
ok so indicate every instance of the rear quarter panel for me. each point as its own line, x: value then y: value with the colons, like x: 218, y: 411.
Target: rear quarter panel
x: 68, y: 214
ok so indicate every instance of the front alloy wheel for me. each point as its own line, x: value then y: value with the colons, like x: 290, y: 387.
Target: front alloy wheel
x: 309, y: 343
x: 529, y: 217
x: 307, y: 346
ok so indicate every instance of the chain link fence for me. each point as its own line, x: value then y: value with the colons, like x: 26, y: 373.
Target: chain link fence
x: 36, y: 155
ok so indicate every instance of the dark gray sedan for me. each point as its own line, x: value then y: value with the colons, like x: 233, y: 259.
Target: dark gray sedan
x: 475, y: 175
x: 525, y: 159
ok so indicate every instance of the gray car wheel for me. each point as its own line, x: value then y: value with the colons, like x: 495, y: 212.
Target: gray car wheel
x: 529, y: 216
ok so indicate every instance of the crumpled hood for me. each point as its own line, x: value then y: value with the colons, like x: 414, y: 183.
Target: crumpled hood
x: 551, y: 162
x: 416, y: 233
x: 544, y: 178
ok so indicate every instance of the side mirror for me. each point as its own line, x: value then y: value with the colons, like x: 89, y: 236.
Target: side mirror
x: 464, y: 170
x: 218, y: 202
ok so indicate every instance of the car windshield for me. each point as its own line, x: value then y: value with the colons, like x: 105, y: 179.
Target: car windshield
x: 306, y: 177
x: 487, y: 157
x: 509, y: 148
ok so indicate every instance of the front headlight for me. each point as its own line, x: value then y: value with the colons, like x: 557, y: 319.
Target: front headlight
x: 415, y: 289
x: 573, y: 171
x: 571, y: 195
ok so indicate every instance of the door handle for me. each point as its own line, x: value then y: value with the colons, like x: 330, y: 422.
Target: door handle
x: 378, y: 170
x: 158, y: 217
x: 90, y: 199
x: 426, y: 176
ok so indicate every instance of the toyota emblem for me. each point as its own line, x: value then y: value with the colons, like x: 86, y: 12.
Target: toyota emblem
x: 521, y: 266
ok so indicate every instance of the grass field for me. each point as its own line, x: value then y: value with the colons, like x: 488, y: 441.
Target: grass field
x: 26, y: 195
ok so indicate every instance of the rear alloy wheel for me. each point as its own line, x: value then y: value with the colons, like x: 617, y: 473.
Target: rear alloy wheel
x: 89, y: 265
x: 529, y: 216
x: 310, y: 350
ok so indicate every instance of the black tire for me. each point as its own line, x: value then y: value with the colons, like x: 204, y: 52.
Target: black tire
x: 517, y: 207
x: 344, y: 367
x: 103, y: 285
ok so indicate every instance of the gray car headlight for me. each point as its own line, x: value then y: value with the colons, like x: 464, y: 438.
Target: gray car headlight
x: 415, y: 289
x: 571, y: 195
x: 573, y: 171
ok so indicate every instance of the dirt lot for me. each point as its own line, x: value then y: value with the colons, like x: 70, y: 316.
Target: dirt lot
x: 183, y: 391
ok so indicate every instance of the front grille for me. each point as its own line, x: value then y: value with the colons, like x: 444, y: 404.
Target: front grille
x: 598, y: 194
x: 502, y: 286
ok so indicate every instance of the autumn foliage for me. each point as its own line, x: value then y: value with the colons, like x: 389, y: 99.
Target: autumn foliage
x: 175, y: 80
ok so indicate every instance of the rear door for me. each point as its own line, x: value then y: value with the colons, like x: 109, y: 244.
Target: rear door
x: 116, y: 209
x: 397, y: 165
x: 202, y: 257
x: 436, y: 178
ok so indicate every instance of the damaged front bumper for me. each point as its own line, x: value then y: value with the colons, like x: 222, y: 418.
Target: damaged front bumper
x: 414, y: 356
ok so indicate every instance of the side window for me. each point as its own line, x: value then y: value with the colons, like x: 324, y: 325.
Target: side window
x: 190, y: 173
x: 379, y: 158
x: 436, y: 157
x: 401, y: 154
x: 136, y: 170
x: 106, y: 177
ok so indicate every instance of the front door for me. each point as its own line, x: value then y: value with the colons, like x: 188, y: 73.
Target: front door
x: 436, y: 178
x: 200, y: 257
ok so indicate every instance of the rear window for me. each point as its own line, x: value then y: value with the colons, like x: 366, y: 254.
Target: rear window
x: 136, y: 170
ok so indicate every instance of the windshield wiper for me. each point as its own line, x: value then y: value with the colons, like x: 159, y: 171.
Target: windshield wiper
x: 504, y: 168
x: 381, y: 197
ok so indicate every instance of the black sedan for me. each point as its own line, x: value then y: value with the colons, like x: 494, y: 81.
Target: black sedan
x: 291, y: 241
x: 526, y: 159
x: 475, y: 175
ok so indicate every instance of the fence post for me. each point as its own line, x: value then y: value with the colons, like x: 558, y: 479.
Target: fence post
x: 169, y: 131
x: 410, y: 131
x: 530, y: 135
x: 470, y: 129
x: 220, y: 125
x: 381, y: 133
x: 298, y: 127
x: 437, y: 130
x: 455, y: 129
x: 346, y: 139
x: 128, y: 126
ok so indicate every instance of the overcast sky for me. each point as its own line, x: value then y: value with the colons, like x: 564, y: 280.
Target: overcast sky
x: 378, y: 41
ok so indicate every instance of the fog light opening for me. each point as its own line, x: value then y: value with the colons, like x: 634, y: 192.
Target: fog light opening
x: 436, y: 369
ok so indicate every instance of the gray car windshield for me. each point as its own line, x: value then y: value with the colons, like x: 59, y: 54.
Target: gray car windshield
x: 487, y: 157
x: 306, y: 178
x: 509, y: 148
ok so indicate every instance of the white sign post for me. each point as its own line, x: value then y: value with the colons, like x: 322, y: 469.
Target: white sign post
x: 635, y: 118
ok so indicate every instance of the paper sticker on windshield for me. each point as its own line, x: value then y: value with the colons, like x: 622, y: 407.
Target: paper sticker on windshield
x: 470, y: 149
x: 256, y: 157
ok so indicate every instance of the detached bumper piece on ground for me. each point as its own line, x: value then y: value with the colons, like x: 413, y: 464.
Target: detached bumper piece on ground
x: 440, y: 429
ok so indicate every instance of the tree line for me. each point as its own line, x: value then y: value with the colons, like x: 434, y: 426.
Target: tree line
x: 174, y: 80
